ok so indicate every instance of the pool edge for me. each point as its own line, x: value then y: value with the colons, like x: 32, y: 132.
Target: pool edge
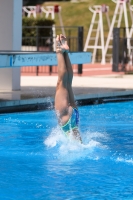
x: 47, y: 102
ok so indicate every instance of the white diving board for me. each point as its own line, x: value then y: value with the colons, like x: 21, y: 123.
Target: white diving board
x: 18, y: 59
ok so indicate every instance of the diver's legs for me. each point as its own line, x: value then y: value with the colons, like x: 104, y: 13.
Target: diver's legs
x: 69, y: 70
x: 61, y: 96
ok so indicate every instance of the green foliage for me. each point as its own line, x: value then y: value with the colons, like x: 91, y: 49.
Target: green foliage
x: 33, y: 28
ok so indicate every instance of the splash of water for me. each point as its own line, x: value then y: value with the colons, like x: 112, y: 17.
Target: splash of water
x: 50, y: 103
x: 92, y: 148
x: 125, y: 160
x: 67, y: 149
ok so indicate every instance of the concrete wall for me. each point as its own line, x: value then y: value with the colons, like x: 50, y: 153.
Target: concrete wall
x: 10, y: 39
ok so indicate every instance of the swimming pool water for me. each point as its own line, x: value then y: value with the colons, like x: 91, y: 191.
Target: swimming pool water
x: 37, y: 162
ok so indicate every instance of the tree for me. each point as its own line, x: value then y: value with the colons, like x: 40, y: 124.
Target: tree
x: 36, y: 2
x: 32, y: 2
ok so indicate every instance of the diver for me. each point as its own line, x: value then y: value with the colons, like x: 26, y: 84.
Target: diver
x: 65, y: 106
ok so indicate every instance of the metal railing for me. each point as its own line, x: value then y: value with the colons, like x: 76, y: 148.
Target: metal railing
x: 36, y: 42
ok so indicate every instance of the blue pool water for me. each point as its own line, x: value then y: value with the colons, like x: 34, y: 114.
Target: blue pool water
x: 37, y: 162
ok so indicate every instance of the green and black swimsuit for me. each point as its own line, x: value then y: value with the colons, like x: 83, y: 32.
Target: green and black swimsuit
x: 72, y: 122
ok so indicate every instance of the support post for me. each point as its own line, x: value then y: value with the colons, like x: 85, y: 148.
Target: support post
x: 37, y: 45
x: 10, y: 39
x: 51, y: 47
x: 116, y: 40
x: 80, y: 45
x: 124, y: 54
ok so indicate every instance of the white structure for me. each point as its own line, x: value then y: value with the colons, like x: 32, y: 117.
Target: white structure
x: 96, y: 31
x: 10, y: 39
x: 49, y: 11
x: 120, y: 11
x: 30, y: 11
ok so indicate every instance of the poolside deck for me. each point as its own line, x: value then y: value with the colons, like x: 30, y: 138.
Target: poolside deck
x: 97, y: 84
x: 88, y: 70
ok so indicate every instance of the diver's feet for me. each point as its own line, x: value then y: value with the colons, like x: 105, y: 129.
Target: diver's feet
x: 58, y: 45
x: 64, y: 44
x: 61, y: 44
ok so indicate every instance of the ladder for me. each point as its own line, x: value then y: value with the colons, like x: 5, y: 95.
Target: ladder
x: 120, y: 9
x: 131, y: 13
x: 96, y: 31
